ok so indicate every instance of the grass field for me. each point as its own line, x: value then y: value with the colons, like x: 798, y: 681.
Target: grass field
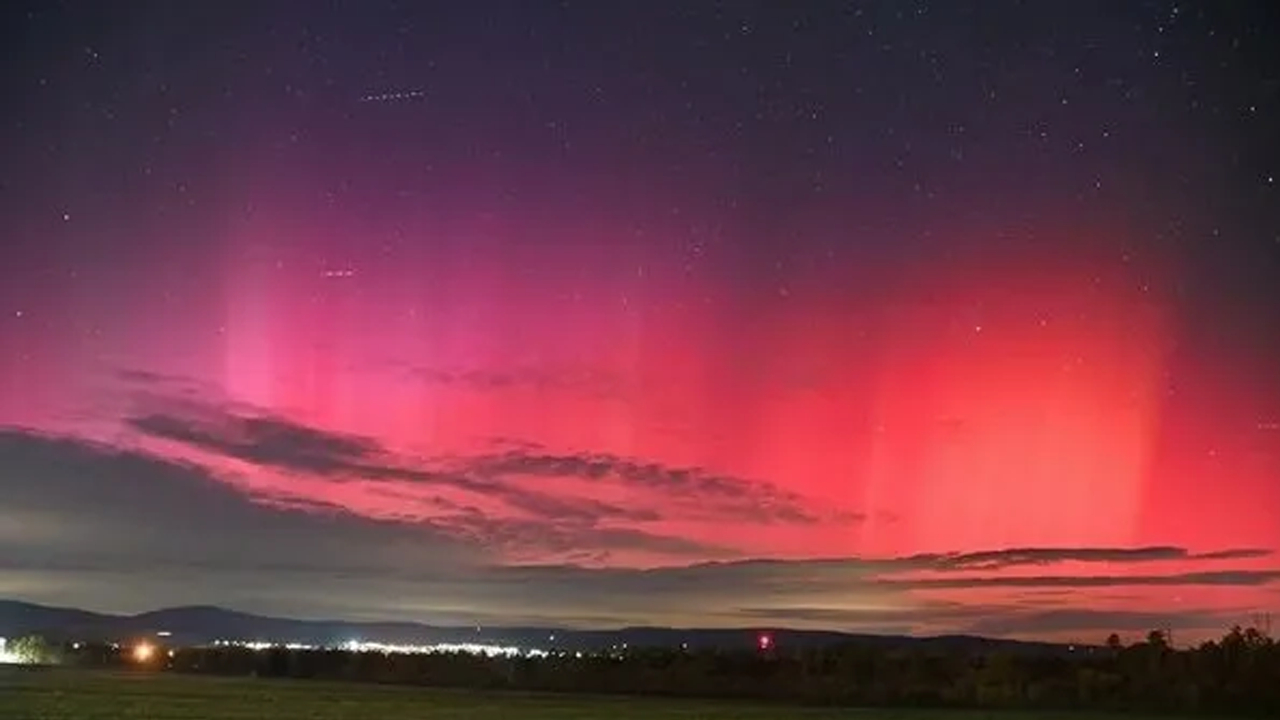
x: 50, y: 694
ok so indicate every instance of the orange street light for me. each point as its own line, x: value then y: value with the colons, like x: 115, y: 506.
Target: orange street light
x: 143, y: 652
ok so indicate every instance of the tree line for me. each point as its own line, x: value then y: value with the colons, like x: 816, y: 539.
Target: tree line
x: 1236, y: 674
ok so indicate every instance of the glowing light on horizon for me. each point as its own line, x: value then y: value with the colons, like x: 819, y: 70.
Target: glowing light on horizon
x: 359, y: 646
x: 143, y: 652
x: 8, y: 657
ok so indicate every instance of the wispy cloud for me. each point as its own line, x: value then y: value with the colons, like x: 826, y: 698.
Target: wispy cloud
x: 1021, y: 557
x: 1234, y: 554
x: 752, y: 499
x: 910, y: 567
x: 274, y: 442
x: 266, y: 441
x: 118, y: 528
x: 241, y: 505
x: 1091, y: 623
x: 1225, y: 577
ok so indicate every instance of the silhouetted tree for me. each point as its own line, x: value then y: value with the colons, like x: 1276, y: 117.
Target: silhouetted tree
x: 1240, y: 673
x: 34, y: 649
x: 1113, y: 643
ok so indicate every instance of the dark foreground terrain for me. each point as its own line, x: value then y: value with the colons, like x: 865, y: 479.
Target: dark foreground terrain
x: 54, y: 694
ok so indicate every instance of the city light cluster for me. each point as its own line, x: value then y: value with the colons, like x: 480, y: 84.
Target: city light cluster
x: 7, y: 656
x: 469, y: 648
x: 261, y: 645
x: 359, y: 646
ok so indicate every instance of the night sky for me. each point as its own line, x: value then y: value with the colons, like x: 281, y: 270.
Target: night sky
x: 891, y: 316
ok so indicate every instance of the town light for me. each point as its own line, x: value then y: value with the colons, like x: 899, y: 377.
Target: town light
x: 143, y: 652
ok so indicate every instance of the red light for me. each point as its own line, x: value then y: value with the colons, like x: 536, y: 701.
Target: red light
x: 765, y: 641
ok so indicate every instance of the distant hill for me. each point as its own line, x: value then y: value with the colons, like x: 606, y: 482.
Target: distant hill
x: 203, y: 624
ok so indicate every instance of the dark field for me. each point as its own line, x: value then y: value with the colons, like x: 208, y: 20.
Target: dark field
x: 45, y: 694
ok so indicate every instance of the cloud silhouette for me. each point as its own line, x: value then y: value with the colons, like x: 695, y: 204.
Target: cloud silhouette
x: 1089, y: 622
x: 265, y: 441
x: 114, y: 528
x: 130, y: 509
x: 1234, y: 554
x: 1015, y: 557
x: 43, y: 473
x: 272, y: 441
x: 947, y: 564
x: 1224, y: 577
x: 756, y: 500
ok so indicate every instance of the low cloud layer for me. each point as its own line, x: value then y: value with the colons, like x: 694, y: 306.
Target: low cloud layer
x: 515, y: 477
x: 266, y: 441
x: 751, y: 500
x: 114, y: 528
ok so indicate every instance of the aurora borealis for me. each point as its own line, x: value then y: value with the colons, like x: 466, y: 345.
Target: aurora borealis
x: 889, y: 316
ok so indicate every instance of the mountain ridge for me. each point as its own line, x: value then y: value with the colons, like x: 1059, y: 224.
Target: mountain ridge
x: 202, y: 624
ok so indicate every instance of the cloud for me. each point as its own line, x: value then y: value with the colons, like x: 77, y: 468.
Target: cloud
x: 152, y: 386
x: 1224, y: 578
x: 585, y: 543
x: 1021, y: 557
x: 112, y: 528
x: 275, y: 442
x: 751, y: 499
x: 129, y: 509
x: 124, y: 504
x: 271, y: 441
x: 148, y: 377
x: 914, y: 618
x: 1090, y: 622
x: 1234, y: 554
x: 264, y: 441
x: 948, y: 564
